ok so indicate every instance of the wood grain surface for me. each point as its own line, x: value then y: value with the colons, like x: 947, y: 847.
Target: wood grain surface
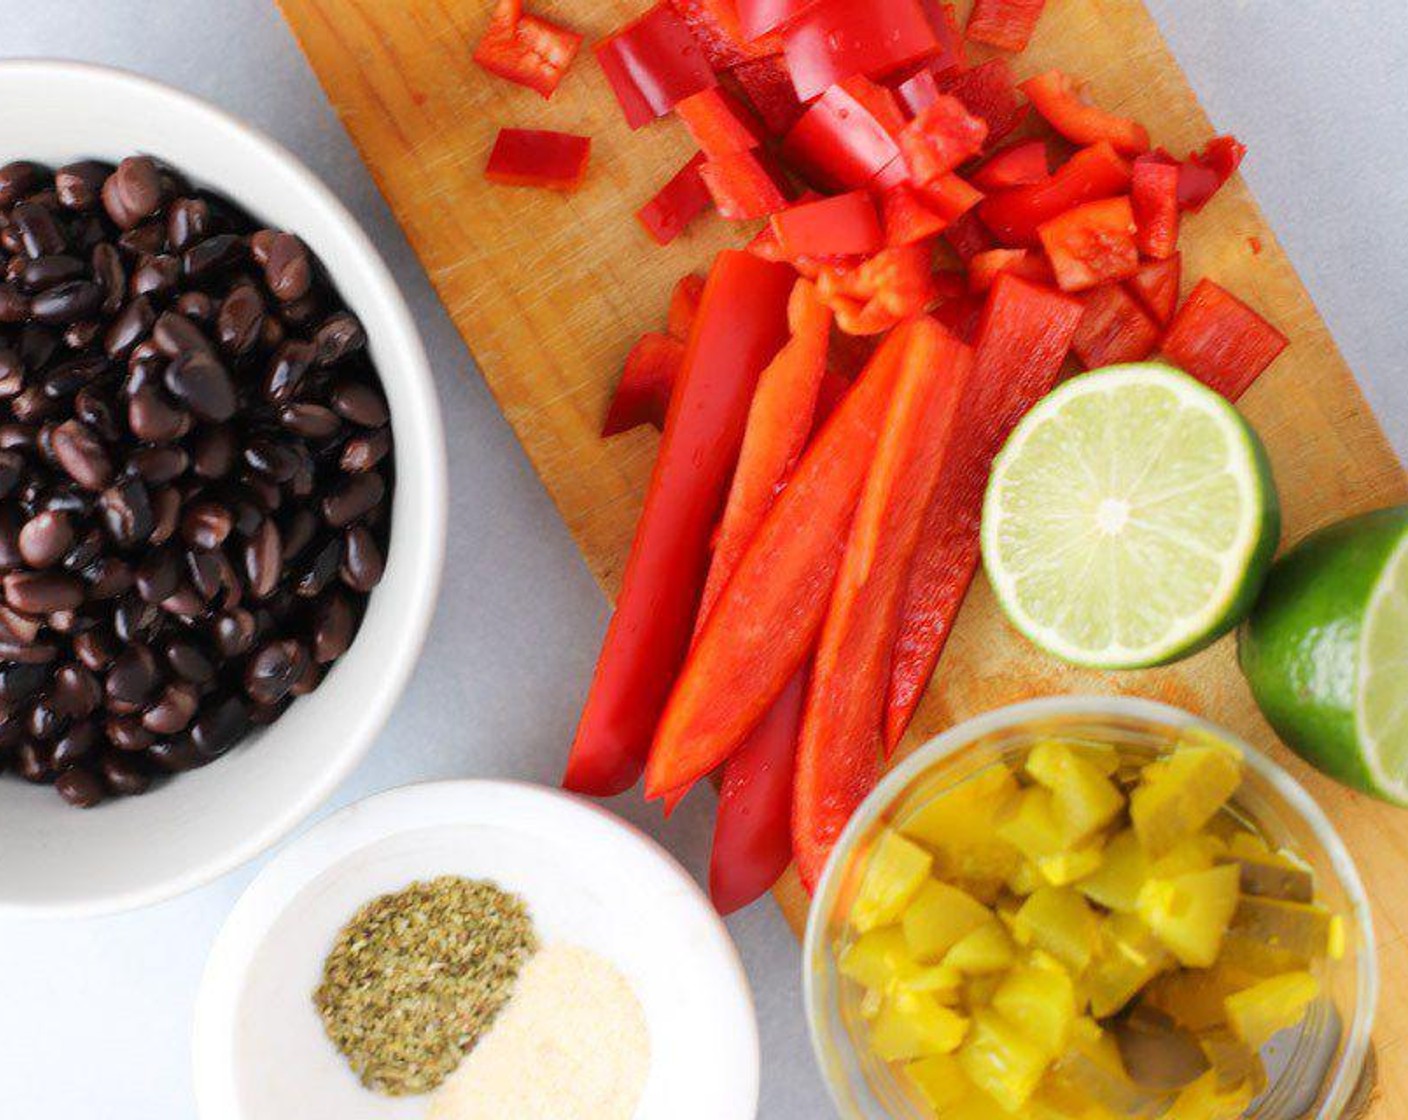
x: 550, y: 291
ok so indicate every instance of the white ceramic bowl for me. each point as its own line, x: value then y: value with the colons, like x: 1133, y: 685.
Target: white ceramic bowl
x: 132, y: 852
x: 589, y: 879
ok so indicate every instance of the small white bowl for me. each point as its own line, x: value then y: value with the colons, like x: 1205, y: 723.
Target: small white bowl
x: 132, y: 852
x: 589, y: 879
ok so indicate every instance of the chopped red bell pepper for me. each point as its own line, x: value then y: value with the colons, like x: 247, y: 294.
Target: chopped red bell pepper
x: 1115, y: 328
x: 839, y: 143
x: 849, y: 354
x: 944, y: 19
x: 1092, y: 173
x: 1221, y: 341
x: 1029, y: 264
x: 652, y: 64
x: 643, y: 393
x: 960, y: 315
x: 918, y: 91
x: 908, y: 218
x: 1091, y: 244
x: 1022, y: 342
x: 950, y: 196
x: 1005, y: 23
x: 768, y: 88
x: 1154, y: 194
x: 988, y: 91
x: 715, y: 26
x: 765, y: 624
x: 530, y: 157
x: 677, y: 203
x: 838, y: 752
x: 837, y: 39
x: 719, y: 122
x: 526, y: 49
x: 968, y: 236
x: 881, y: 291
x: 844, y: 225
x: 1060, y: 99
x: 1202, y: 174
x: 1156, y: 287
x: 758, y: 17
x: 745, y: 185
x: 1020, y: 165
x: 753, y: 826
x: 834, y: 388
x: 742, y: 323
x: 940, y: 138
x: 684, y: 304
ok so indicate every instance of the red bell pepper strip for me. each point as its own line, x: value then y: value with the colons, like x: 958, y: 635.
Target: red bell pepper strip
x: 765, y: 624
x: 526, y: 49
x: 677, y: 203
x: 988, y: 91
x: 838, y: 753
x: 1005, y: 23
x: 940, y: 138
x: 1156, y: 287
x: 1029, y: 264
x: 753, y: 825
x: 758, y: 17
x: 837, y: 39
x: 529, y: 157
x: 1202, y: 174
x: 881, y: 291
x: 1022, y: 340
x: 843, y: 225
x: 715, y: 26
x: 908, y: 218
x: 719, y: 122
x: 968, y: 236
x: 1091, y: 244
x: 1221, y: 341
x: 742, y: 323
x: 1154, y: 194
x: 1060, y: 99
x: 643, y: 393
x: 684, y: 304
x: 944, y: 19
x: 839, y: 143
x: 779, y: 422
x: 1092, y: 173
x: 1020, y: 165
x: 652, y: 64
x: 1115, y: 328
x: 768, y: 88
x: 745, y: 185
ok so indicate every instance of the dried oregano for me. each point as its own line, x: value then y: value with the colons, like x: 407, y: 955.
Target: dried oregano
x: 416, y: 977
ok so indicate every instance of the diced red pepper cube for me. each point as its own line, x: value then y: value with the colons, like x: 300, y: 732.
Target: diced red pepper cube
x: 837, y: 39
x: 715, y: 26
x: 643, y: 393
x: 839, y: 143
x: 768, y: 88
x: 940, y: 138
x: 1202, y: 174
x: 907, y: 218
x: 719, y: 123
x: 950, y: 196
x: 1061, y: 100
x: 758, y: 17
x: 880, y: 292
x: 745, y: 185
x: 918, y: 91
x: 1029, y: 264
x: 988, y: 91
x: 1018, y: 166
x: 652, y: 64
x: 968, y: 236
x: 1092, y: 173
x: 527, y: 157
x: 1155, y: 285
x: 1221, y: 341
x: 1113, y: 329
x: 677, y: 203
x: 1005, y: 23
x: 1154, y: 194
x: 525, y: 49
x: 1092, y: 244
x: 843, y: 225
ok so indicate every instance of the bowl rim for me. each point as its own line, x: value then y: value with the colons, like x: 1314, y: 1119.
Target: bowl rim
x: 413, y: 368
x: 1356, y: 1035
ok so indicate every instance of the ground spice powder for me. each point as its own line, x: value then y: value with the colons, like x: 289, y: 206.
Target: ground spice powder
x: 416, y: 977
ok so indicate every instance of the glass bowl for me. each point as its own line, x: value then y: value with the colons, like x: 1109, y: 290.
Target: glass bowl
x: 1313, y: 1070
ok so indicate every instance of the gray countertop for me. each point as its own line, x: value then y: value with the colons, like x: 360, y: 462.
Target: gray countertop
x: 94, y: 1016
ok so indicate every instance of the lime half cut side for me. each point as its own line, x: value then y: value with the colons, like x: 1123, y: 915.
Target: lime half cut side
x: 1130, y: 519
x: 1382, y: 715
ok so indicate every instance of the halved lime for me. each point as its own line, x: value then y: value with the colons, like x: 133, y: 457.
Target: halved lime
x: 1326, y: 651
x: 1130, y: 519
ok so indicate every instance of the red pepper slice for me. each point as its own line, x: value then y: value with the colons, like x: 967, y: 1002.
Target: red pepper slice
x: 742, y: 323
x: 1115, y: 328
x: 530, y: 157
x: 765, y: 624
x: 758, y: 17
x: 1029, y: 264
x: 834, y: 388
x: 838, y: 753
x: 843, y: 225
x: 837, y: 39
x: 1154, y: 193
x: 960, y: 315
x: 1092, y: 173
x: 677, y: 203
x: 968, y: 236
x: 753, y: 826
x: 652, y: 64
x: 1005, y: 23
x: 719, y: 122
x: 988, y: 91
x: 1156, y: 287
x: 1202, y: 174
x: 1022, y: 342
x: 684, y: 304
x: 745, y: 185
x: 940, y: 138
x: 1020, y: 165
x: 643, y: 393
x: 918, y: 91
x: 1059, y: 98
x: 881, y: 291
x: 526, y: 49
x: 715, y: 25
x: 944, y: 19
x: 768, y: 88
x: 1092, y: 244
x: 839, y: 143
x: 1221, y: 341
x: 908, y: 218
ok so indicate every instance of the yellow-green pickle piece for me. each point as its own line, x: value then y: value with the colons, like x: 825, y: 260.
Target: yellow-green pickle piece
x: 1178, y: 795
x: 1258, y: 1012
x: 1060, y: 921
x: 1190, y: 913
x: 1083, y: 798
x: 915, y: 1025
x: 937, y: 917
x: 897, y: 869
x: 1001, y: 1060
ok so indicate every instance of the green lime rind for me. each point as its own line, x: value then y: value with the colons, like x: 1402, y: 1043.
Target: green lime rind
x: 1196, y: 519
x: 1323, y: 643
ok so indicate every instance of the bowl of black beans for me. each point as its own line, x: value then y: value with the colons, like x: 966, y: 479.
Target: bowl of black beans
x: 222, y: 491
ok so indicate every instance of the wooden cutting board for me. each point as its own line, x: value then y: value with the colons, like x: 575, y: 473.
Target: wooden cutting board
x: 549, y: 292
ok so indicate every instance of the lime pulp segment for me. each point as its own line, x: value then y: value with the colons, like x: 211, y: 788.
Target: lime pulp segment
x: 1383, y: 688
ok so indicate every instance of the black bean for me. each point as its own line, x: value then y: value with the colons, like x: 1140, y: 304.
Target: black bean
x: 214, y: 254
x: 263, y: 559
x: 79, y: 186
x: 198, y: 378
x: 133, y: 677
x: 312, y: 421
x: 126, y: 733
x: 14, y: 304
x: 215, y: 452
x: 340, y: 335
x: 156, y: 275
x: 75, y: 745
x: 320, y: 570
x: 274, y: 670
x: 144, y: 240
x: 362, y: 453
x: 46, y: 272
x: 166, y: 512
x: 187, y: 221
x: 82, y: 455
x: 94, y: 408
x: 219, y: 726
x: 111, y: 276
x: 67, y: 303
x: 333, y: 629
x: 240, y: 320
x: 158, y: 575
x: 353, y: 497
x: 133, y: 323
x: 288, y: 271
x: 75, y: 691
x: 173, y: 710
x: 297, y: 532
x: 42, y: 592
x: 34, y: 761
x: 132, y: 192
x: 153, y: 418
x: 66, y: 378
x: 234, y: 633
x: 206, y: 524
x: 18, y: 682
x: 95, y: 648
x: 196, y: 306
x: 175, y: 755
x: 127, y: 512
x: 80, y: 788
x: 39, y: 233
x: 189, y: 661
x: 45, y: 538
x: 362, y: 561
x: 159, y: 465
x: 125, y: 774
x: 19, y: 178
x: 360, y: 403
